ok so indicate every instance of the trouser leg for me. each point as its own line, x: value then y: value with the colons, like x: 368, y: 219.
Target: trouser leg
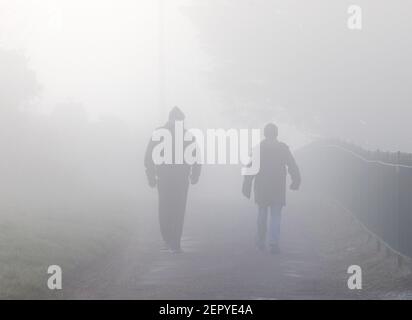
x: 261, y: 226
x: 172, y: 206
x: 275, y: 220
x: 165, y: 220
x: 179, y: 216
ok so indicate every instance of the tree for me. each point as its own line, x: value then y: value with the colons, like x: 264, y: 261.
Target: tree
x: 275, y: 57
x: 18, y: 82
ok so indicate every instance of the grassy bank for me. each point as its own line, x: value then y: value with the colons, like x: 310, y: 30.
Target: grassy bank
x: 31, y: 241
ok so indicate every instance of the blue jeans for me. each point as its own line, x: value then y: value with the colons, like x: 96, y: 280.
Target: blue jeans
x: 274, y: 228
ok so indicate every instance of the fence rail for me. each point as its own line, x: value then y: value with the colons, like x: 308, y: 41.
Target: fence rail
x: 375, y: 186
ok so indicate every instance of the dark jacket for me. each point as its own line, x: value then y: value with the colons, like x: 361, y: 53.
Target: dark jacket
x: 170, y: 172
x: 270, y: 182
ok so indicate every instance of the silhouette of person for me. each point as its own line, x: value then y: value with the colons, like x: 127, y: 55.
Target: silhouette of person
x: 172, y: 181
x: 270, y: 185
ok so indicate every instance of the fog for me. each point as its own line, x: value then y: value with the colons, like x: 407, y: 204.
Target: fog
x: 83, y: 83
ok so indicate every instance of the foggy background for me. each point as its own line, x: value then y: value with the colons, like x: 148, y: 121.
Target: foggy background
x: 84, y: 83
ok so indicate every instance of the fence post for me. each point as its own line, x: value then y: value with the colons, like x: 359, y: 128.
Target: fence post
x: 398, y: 197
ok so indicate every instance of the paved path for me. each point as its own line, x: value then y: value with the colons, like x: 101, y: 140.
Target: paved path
x: 319, y: 242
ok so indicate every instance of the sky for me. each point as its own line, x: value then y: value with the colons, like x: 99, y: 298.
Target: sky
x: 324, y: 79
x: 103, y: 54
x: 300, y: 61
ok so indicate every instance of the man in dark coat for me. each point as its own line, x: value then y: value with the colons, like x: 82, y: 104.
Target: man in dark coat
x: 270, y: 185
x: 172, y: 181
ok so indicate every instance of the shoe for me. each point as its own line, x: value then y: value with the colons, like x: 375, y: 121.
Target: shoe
x: 274, y: 249
x: 165, y: 247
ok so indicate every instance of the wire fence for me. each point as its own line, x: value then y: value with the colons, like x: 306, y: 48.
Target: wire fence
x: 375, y: 186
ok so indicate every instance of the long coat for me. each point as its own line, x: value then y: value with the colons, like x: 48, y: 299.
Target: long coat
x: 270, y: 182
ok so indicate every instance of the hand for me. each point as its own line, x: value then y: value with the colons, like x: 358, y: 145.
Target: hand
x: 194, y: 180
x: 152, y: 182
x: 294, y: 186
x: 246, y: 194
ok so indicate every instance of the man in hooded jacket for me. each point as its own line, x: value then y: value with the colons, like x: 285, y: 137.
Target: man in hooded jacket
x: 172, y: 182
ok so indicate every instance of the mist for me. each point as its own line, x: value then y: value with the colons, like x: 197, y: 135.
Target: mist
x: 83, y: 84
